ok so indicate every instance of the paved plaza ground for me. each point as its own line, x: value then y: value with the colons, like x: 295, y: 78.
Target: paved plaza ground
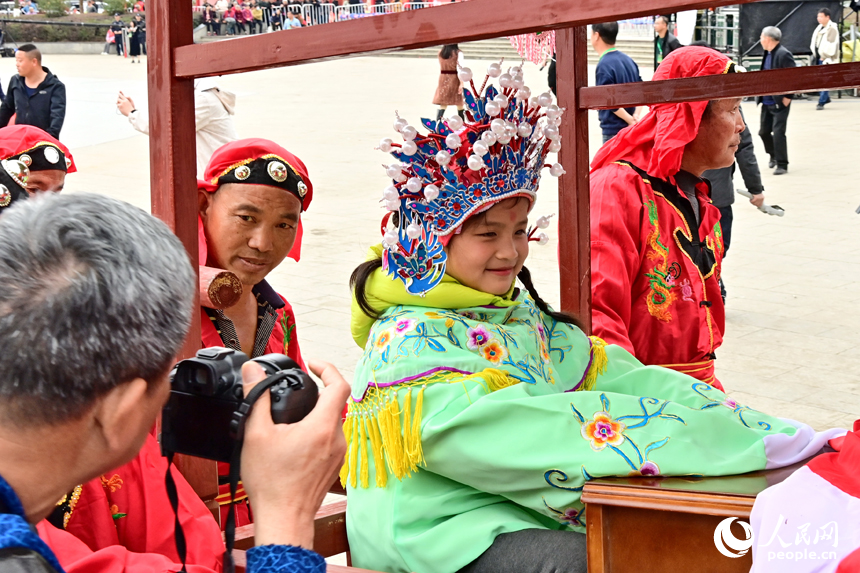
x: 792, y: 344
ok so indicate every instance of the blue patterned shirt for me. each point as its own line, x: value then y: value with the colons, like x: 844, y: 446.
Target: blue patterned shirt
x: 15, y: 532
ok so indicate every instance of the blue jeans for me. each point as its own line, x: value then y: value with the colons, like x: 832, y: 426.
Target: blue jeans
x: 823, y: 97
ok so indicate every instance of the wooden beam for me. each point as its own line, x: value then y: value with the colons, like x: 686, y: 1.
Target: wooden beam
x: 574, y: 229
x: 782, y: 81
x: 329, y: 531
x: 173, y: 186
x: 447, y: 24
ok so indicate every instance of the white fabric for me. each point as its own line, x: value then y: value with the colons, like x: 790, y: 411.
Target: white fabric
x: 826, y: 38
x: 213, y: 109
x: 807, y: 517
x: 783, y: 450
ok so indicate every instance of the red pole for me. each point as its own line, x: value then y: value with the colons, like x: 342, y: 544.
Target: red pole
x: 573, y: 192
x: 172, y: 151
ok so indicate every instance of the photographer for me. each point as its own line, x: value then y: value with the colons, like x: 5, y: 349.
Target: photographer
x: 97, y: 302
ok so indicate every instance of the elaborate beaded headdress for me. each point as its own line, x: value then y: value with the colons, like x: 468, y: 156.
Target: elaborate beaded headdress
x: 461, y: 168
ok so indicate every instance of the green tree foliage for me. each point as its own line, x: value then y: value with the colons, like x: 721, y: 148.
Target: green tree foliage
x: 53, y: 8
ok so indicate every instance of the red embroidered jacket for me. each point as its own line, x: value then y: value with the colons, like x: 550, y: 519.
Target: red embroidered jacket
x: 654, y: 276
x: 123, y: 523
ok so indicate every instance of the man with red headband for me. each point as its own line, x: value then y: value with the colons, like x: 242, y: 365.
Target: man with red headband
x: 46, y: 159
x: 249, y: 221
x: 656, y: 242
x: 251, y: 200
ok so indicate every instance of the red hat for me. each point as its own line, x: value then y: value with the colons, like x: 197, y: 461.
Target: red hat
x: 35, y: 148
x: 656, y: 144
x: 259, y: 162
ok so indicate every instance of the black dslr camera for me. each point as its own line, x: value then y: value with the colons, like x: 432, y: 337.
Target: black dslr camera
x: 202, y: 416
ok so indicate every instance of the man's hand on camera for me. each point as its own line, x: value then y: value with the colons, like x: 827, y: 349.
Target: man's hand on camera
x: 287, y: 469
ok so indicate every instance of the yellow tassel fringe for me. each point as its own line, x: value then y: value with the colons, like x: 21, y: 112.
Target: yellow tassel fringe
x: 395, y: 434
x: 598, y: 363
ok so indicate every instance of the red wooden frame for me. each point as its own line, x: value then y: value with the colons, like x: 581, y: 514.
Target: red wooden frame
x: 176, y: 61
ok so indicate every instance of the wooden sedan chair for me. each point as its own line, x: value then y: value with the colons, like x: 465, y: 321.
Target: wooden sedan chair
x: 175, y: 62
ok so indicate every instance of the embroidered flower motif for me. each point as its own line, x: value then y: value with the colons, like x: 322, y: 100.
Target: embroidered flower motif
x: 113, y: 483
x: 648, y: 469
x: 405, y: 325
x: 493, y: 351
x: 384, y: 339
x: 541, y: 331
x: 469, y: 314
x: 544, y: 354
x: 115, y: 512
x: 730, y: 403
x: 603, y: 431
x: 478, y: 337
x: 571, y: 517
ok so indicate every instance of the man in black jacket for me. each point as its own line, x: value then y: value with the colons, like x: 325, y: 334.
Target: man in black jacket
x: 665, y: 42
x: 35, y: 96
x: 775, y: 108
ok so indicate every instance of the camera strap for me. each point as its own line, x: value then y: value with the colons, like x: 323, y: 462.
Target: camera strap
x: 173, y: 496
x: 237, y: 431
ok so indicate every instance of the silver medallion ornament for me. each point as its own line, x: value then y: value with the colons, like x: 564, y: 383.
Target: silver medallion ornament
x: 5, y: 196
x: 26, y: 159
x: 303, y: 189
x: 16, y: 170
x: 243, y: 172
x: 52, y: 155
x: 277, y: 171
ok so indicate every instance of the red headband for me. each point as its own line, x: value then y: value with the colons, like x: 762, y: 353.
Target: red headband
x: 229, y: 158
x: 18, y: 139
x: 656, y: 144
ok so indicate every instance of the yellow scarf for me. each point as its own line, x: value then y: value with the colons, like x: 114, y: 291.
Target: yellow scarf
x: 383, y: 292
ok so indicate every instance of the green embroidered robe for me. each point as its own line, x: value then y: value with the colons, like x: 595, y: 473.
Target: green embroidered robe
x: 465, y: 424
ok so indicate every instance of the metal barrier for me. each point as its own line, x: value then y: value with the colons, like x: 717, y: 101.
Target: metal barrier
x: 315, y: 14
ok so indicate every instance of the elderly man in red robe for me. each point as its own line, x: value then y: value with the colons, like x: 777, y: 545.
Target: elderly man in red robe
x: 656, y: 242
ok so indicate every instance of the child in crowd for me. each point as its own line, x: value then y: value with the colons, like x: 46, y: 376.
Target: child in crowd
x: 477, y: 412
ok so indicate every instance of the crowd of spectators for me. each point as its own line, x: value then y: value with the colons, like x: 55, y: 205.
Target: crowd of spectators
x: 229, y: 18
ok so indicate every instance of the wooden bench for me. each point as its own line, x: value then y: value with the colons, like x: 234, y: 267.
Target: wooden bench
x: 667, y: 524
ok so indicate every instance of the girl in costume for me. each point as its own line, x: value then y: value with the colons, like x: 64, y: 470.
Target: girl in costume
x: 477, y: 413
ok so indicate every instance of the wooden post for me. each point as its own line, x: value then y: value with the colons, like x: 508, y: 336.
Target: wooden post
x: 573, y: 193
x: 172, y: 156
x: 173, y: 185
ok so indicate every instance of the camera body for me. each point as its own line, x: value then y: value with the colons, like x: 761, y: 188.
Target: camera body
x: 206, y: 392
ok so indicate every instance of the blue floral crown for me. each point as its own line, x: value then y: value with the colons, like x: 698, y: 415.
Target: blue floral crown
x: 462, y: 167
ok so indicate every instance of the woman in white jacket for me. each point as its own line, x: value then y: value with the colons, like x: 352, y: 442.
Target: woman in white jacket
x: 825, y: 48
x: 213, y: 118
